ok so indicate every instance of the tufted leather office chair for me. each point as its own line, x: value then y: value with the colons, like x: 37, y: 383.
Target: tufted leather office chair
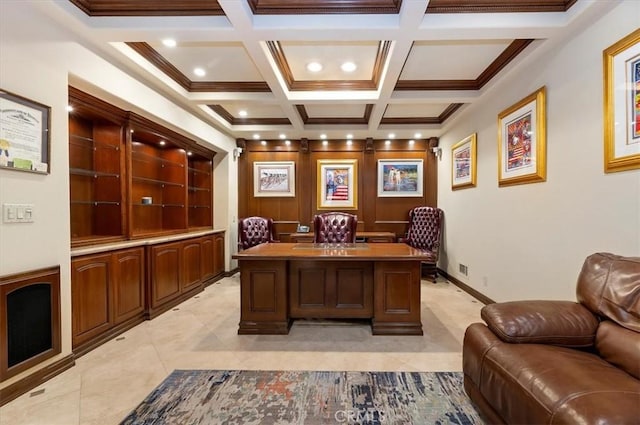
x: 335, y: 227
x: 425, y: 229
x: 253, y: 231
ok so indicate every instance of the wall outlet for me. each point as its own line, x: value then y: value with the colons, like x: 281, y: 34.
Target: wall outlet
x: 463, y: 269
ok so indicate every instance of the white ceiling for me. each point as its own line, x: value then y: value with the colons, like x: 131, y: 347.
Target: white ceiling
x: 413, y: 68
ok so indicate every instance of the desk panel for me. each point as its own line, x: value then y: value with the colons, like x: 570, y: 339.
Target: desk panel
x: 263, y: 298
x: 330, y: 289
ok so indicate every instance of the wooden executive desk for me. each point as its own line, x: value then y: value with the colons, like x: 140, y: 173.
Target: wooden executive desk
x: 280, y: 282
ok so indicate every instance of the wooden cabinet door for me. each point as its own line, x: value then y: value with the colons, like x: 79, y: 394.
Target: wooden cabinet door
x: 91, y: 310
x: 191, y: 265
x: 207, y: 246
x: 164, y: 272
x: 128, y: 284
x: 330, y: 289
x: 218, y: 263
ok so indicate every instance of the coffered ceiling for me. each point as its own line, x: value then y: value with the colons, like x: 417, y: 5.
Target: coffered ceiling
x: 417, y: 63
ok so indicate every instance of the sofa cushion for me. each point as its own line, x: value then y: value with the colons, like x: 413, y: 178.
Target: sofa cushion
x: 544, y: 384
x: 609, y: 285
x: 562, y: 323
x: 619, y: 346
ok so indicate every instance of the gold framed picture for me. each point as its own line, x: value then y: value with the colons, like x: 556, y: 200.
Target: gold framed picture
x: 522, y: 144
x: 622, y: 104
x: 338, y: 184
x: 463, y: 163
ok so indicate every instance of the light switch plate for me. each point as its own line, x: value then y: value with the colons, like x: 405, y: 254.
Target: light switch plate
x: 18, y: 213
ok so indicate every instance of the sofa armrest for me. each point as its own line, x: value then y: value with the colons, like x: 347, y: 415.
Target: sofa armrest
x: 563, y: 323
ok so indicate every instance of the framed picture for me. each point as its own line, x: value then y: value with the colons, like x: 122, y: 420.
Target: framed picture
x: 338, y: 184
x: 274, y: 179
x: 400, y: 177
x: 622, y: 104
x: 24, y: 134
x: 463, y: 163
x: 522, y: 141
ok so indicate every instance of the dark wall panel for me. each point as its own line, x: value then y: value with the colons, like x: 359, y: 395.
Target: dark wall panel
x: 375, y: 213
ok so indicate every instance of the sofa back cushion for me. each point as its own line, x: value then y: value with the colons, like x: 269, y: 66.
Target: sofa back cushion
x: 619, y: 346
x: 609, y: 286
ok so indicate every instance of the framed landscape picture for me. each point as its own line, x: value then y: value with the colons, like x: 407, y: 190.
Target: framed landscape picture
x: 522, y: 141
x: 337, y: 184
x: 274, y: 179
x: 622, y: 104
x: 400, y: 177
x: 463, y: 163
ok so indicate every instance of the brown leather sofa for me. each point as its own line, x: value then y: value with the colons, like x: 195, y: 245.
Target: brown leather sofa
x: 561, y: 362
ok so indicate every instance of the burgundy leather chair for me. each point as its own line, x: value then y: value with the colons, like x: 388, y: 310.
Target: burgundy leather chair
x: 254, y: 231
x: 335, y: 227
x: 425, y: 230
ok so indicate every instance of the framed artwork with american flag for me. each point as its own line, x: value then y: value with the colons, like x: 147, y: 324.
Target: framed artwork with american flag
x: 622, y: 104
x: 522, y: 143
x: 338, y: 184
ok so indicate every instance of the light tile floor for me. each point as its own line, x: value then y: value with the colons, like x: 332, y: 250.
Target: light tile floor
x: 201, y: 333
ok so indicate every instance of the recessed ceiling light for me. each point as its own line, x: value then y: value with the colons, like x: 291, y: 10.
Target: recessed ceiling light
x: 417, y: 135
x: 283, y: 136
x: 349, y: 136
x: 189, y: 153
x: 242, y: 113
x: 323, y: 136
x: 169, y: 42
x: 392, y: 136
x: 199, y: 72
x: 162, y: 143
x: 256, y: 136
x: 69, y: 108
x: 348, y: 67
x: 314, y: 67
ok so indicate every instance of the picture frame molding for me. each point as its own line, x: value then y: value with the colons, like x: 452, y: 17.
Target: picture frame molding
x: 471, y: 142
x: 533, y: 105
x: 381, y: 178
x: 287, y: 167
x: 616, y: 107
x: 325, y: 165
x: 39, y: 139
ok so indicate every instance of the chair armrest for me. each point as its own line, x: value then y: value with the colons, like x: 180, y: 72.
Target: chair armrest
x: 563, y: 323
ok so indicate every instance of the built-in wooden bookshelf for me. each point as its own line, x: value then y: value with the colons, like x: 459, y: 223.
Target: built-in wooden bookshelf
x: 131, y: 177
x: 96, y: 170
x: 200, y: 190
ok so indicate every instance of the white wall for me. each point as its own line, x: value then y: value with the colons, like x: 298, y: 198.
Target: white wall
x: 37, y: 59
x: 529, y: 241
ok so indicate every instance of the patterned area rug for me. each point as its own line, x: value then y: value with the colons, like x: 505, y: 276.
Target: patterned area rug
x: 302, y: 397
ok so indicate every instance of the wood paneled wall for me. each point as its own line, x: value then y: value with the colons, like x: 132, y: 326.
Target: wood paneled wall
x: 388, y: 214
